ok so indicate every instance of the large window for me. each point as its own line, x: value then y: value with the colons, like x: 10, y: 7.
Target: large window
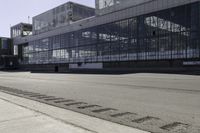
x: 105, y: 3
x: 60, y: 16
x: 165, y: 35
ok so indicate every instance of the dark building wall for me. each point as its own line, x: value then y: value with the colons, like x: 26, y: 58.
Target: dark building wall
x: 46, y: 67
x: 6, y: 46
x: 7, y: 59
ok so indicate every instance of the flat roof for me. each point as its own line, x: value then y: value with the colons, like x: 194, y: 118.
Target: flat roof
x: 21, y: 24
x: 69, y: 2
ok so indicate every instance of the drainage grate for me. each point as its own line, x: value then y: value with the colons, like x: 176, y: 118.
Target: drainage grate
x: 103, y: 110
x: 42, y: 97
x: 122, y: 114
x: 63, y: 101
x: 176, y: 126
x: 29, y: 93
x: 53, y: 99
x: 148, y: 118
x: 89, y: 106
x: 76, y: 103
x: 135, y: 120
x: 36, y: 95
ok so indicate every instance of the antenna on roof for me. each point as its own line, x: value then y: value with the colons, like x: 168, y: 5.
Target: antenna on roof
x: 29, y: 19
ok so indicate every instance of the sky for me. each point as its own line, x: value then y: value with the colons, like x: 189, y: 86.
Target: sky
x: 13, y: 12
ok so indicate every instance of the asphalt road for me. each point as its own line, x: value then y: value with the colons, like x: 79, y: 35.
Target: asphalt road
x: 166, y: 96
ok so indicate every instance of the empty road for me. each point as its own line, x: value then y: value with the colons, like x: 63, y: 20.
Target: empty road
x: 165, y: 96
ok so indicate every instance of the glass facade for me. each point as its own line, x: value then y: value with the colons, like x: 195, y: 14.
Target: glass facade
x: 101, y: 4
x: 60, y: 16
x: 105, y: 3
x: 21, y: 30
x: 165, y: 35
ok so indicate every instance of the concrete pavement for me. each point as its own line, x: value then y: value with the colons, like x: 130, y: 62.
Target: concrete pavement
x: 169, y: 97
x: 16, y: 119
x: 19, y: 115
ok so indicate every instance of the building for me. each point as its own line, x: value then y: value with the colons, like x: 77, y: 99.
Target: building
x: 21, y: 30
x: 120, y: 35
x: 61, y: 16
x: 7, y: 60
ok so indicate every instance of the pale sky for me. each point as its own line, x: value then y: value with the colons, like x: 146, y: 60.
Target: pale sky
x: 13, y: 12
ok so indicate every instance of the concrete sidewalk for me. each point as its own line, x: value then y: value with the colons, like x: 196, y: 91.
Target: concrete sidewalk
x: 20, y: 115
x: 16, y: 119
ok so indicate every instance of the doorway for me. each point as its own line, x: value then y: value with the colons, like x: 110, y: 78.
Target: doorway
x: 56, y: 68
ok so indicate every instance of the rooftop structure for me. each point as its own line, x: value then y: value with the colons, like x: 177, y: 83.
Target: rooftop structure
x: 108, y: 6
x: 21, y: 30
x: 61, y: 16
